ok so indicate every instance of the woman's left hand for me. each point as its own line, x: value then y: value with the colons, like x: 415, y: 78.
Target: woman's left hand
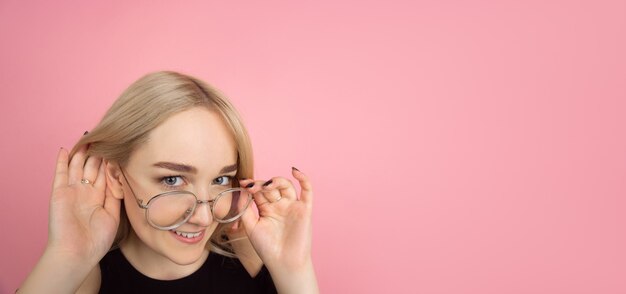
x: 281, y: 232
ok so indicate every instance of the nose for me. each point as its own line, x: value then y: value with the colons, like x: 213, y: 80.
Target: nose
x: 202, y: 215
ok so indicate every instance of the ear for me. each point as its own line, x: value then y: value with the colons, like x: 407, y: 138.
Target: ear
x: 114, y: 179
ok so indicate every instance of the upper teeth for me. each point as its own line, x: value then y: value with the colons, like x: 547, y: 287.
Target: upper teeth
x: 188, y: 235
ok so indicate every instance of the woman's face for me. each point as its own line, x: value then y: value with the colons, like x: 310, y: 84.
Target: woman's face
x: 193, y: 151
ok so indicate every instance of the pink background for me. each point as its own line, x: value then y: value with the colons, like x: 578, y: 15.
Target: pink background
x: 455, y: 146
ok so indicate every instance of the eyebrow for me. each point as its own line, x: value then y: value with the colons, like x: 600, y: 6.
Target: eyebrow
x: 190, y: 169
x: 229, y: 168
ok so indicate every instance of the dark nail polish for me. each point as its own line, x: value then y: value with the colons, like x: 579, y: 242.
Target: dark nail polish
x: 295, y: 168
x: 86, y: 132
x: 268, y: 183
x: 250, y: 185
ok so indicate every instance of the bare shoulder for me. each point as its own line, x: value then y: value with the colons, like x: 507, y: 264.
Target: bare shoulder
x: 91, y: 284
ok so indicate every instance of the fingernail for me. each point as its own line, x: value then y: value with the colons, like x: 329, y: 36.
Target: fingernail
x: 250, y: 185
x: 294, y: 168
x: 268, y: 183
x: 86, y: 132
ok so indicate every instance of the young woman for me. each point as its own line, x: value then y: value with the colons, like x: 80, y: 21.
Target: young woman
x: 160, y: 196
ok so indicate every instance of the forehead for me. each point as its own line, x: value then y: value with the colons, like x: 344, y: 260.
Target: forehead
x: 197, y: 137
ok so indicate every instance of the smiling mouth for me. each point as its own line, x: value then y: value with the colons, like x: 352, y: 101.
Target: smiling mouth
x: 188, y: 235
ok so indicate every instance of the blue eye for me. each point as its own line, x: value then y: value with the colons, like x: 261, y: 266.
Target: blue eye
x: 223, y: 180
x: 172, y: 181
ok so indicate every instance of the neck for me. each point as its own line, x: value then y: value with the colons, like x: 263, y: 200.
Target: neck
x: 153, y: 264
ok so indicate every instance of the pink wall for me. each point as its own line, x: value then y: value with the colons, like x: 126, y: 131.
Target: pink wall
x: 455, y: 146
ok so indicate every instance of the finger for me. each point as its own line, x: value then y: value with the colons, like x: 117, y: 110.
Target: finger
x: 91, y: 169
x: 100, y: 180
x: 280, y: 187
x: 255, y: 187
x: 76, y: 165
x: 306, y: 194
x: 270, y: 193
x: 60, y: 174
x: 243, y: 183
x: 261, y: 201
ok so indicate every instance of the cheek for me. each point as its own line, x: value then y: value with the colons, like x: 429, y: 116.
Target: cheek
x: 137, y: 217
x: 133, y: 211
x: 211, y: 229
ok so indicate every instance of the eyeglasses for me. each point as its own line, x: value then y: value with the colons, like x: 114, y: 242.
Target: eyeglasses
x: 169, y: 210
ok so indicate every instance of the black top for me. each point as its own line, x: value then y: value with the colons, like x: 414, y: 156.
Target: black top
x: 218, y: 274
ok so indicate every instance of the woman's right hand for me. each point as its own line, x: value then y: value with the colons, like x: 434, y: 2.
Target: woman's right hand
x: 84, y: 217
x: 83, y: 222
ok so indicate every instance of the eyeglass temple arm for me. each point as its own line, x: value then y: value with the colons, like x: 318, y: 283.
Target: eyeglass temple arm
x: 139, y: 201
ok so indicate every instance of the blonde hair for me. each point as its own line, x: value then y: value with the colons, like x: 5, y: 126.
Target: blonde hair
x: 143, y: 106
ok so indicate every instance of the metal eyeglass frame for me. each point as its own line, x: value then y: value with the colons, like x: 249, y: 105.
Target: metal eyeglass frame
x: 193, y: 209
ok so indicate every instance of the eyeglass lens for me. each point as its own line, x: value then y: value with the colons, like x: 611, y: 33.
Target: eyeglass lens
x: 176, y: 208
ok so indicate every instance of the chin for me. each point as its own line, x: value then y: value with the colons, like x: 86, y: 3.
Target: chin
x: 185, y: 259
x: 185, y: 254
